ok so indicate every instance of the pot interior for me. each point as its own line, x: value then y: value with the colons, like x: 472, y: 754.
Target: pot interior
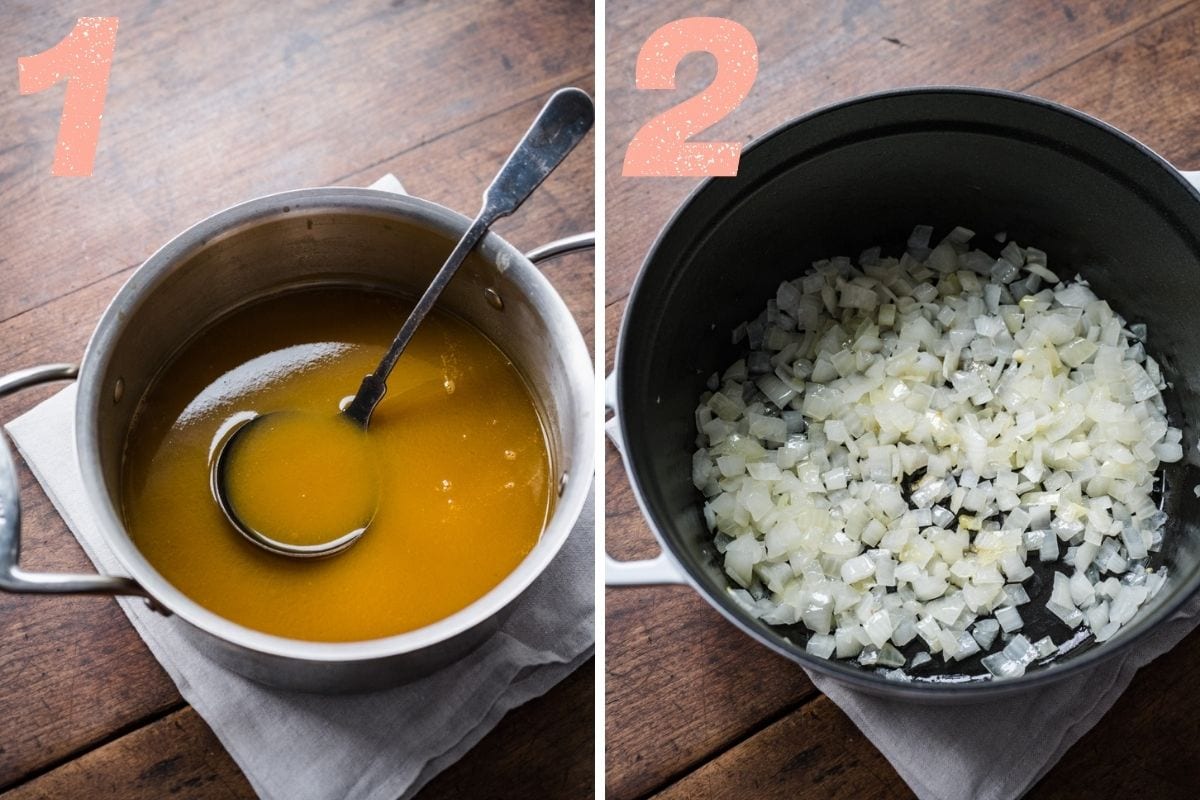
x: 340, y: 237
x: 863, y: 174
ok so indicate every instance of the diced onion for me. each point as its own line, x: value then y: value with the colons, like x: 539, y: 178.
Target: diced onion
x: 901, y: 437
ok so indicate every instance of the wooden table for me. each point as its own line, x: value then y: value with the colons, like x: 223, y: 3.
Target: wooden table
x: 694, y: 708
x: 210, y: 104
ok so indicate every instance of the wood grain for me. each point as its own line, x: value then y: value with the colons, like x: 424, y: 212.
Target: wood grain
x: 1146, y: 84
x: 812, y: 54
x: 1132, y: 64
x: 72, y: 670
x: 212, y: 104
x: 177, y: 756
x: 822, y: 759
x: 682, y: 685
x: 533, y: 752
x: 209, y: 105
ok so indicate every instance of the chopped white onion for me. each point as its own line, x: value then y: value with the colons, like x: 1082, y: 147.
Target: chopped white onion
x: 902, y: 435
x: 1009, y: 619
x: 821, y: 645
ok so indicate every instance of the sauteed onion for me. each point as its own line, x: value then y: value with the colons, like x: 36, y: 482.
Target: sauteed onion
x: 905, y: 436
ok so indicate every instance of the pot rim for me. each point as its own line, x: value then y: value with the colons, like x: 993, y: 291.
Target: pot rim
x: 981, y: 688
x: 239, y: 217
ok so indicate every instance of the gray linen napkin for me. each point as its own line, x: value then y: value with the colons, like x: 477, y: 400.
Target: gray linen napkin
x: 376, y: 746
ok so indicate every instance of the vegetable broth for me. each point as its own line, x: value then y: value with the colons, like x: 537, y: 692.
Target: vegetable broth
x: 459, y: 448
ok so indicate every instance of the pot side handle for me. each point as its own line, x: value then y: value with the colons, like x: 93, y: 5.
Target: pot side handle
x: 662, y: 570
x: 12, y: 577
x: 561, y: 247
x: 655, y: 571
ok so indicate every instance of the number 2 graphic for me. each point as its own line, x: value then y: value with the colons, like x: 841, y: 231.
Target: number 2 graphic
x: 661, y: 147
x: 83, y: 59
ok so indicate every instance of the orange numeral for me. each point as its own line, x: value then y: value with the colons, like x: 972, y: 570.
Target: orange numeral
x: 661, y: 146
x: 82, y: 58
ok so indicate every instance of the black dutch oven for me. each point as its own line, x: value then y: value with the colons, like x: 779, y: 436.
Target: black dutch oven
x: 863, y: 173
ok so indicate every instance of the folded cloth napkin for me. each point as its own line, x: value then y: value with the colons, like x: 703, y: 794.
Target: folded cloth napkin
x: 379, y: 746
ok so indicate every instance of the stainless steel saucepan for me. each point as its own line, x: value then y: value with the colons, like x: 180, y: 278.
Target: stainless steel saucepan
x: 302, y: 238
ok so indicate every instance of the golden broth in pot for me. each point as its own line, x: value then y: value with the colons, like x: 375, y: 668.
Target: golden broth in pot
x: 459, y: 449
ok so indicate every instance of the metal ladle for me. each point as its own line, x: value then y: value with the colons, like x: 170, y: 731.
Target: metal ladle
x: 559, y: 127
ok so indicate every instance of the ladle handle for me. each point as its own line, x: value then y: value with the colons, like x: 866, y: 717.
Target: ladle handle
x: 562, y: 123
x: 12, y: 577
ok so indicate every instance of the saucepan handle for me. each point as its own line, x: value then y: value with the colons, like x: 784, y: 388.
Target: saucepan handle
x: 663, y: 569
x: 560, y: 247
x: 12, y: 577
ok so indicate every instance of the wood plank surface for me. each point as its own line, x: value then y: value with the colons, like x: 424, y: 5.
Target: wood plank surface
x: 1133, y: 64
x: 812, y: 54
x: 680, y: 689
x: 531, y: 753
x: 175, y: 756
x: 210, y: 104
x: 813, y: 752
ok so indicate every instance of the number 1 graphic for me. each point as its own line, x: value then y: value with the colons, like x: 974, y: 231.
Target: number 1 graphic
x: 83, y: 59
